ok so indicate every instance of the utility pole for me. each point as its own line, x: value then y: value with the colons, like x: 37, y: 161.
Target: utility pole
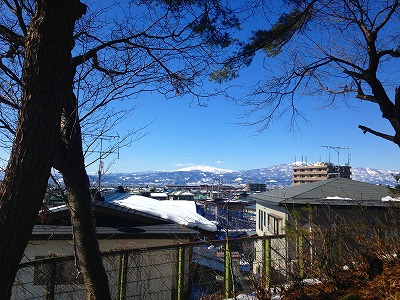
x: 101, y: 154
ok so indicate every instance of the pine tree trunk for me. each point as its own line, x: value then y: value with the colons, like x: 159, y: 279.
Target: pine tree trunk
x: 69, y: 160
x: 47, y: 57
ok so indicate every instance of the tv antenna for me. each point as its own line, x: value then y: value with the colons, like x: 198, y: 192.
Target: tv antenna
x: 337, y: 149
x: 101, y: 163
x: 102, y: 153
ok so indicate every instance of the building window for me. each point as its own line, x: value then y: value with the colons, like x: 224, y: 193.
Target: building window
x: 274, y: 224
x: 265, y: 219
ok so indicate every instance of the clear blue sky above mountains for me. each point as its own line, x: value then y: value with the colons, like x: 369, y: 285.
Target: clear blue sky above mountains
x: 181, y: 133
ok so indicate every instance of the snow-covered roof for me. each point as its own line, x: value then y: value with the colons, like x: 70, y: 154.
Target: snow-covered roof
x: 338, y: 198
x: 390, y: 198
x: 158, y: 195
x: 181, y: 212
x: 181, y: 193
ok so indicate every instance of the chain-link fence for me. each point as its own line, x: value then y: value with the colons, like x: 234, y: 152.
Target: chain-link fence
x: 202, y: 270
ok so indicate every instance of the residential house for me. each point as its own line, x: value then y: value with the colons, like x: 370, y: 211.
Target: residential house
x: 342, y: 196
x: 123, y: 221
x: 333, y: 206
x: 159, y: 196
x: 181, y: 195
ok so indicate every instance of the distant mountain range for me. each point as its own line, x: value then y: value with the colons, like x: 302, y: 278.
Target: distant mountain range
x: 277, y: 175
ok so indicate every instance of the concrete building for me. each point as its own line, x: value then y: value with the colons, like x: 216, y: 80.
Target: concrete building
x: 319, y: 171
x: 256, y: 187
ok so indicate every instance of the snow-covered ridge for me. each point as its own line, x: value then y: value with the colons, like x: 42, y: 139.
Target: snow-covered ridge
x: 273, y: 176
x: 204, y: 169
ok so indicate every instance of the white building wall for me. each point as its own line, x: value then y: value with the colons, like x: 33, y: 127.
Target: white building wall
x: 266, y: 218
x: 270, y: 222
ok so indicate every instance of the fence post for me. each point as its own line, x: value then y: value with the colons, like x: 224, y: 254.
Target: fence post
x: 267, y: 261
x: 339, y: 249
x: 300, y: 255
x: 180, y: 273
x: 227, y: 269
x: 50, y: 281
x: 123, y: 267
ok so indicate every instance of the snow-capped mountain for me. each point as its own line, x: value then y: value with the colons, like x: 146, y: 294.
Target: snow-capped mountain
x: 204, y: 169
x: 277, y: 175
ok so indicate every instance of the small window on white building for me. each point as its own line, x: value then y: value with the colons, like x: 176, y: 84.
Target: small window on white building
x: 260, y: 219
x: 275, y: 224
x: 265, y: 219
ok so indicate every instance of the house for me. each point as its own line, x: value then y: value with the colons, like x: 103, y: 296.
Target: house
x: 181, y: 195
x: 159, y: 196
x: 334, y: 206
x: 57, y: 240
x: 341, y: 195
x: 122, y: 220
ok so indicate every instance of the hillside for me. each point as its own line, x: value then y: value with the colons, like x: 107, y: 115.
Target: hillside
x: 277, y: 175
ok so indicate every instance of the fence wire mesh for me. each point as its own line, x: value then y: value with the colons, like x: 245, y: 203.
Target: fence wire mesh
x: 202, y: 270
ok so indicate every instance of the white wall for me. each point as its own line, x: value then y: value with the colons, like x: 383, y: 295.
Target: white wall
x: 267, y: 229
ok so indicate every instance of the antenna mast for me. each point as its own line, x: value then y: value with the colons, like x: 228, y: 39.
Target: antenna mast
x: 101, y: 153
x: 337, y: 149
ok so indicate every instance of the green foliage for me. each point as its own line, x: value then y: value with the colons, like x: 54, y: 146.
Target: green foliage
x: 224, y: 74
x: 214, y: 22
x: 270, y: 41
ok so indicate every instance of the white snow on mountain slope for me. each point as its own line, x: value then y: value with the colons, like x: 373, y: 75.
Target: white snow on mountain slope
x: 277, y: 175
x: 205, y: 169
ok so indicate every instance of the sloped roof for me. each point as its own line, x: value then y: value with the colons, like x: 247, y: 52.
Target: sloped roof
x: 182, y: 212
x: 137, y: 210
x: 55, y: 232
x: 335, y: 191
x: 181, y: 193
x: 111, y: 209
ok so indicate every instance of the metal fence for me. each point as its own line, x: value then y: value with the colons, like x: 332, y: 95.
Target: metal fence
x: 202, y: 270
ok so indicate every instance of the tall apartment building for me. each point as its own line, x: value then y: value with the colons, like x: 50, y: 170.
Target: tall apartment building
x: 319, y: 171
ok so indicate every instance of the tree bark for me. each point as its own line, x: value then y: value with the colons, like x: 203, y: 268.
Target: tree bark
x: 69, y: 160
x: 47, y: 55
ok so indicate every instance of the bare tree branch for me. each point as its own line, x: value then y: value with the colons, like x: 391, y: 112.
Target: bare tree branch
x: 377, y: 133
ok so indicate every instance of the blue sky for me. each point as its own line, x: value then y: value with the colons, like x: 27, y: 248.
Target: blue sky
x: 182, y: 134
